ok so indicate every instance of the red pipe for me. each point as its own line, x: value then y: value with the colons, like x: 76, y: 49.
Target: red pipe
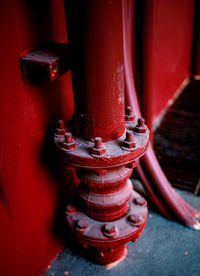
x: 94, y: 57
x: 106, y: 212
x: 150, y: 172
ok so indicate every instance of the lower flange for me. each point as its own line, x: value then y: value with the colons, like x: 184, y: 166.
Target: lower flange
x: 107, y: 240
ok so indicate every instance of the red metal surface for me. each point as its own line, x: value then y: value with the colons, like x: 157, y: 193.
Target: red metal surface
x: 195, y: 59
x: 154, y: 180
x: 104, y: 238
x: 94, y: 57
x: 107, y: 213
x: 30, y: 185
x: 164, y: 54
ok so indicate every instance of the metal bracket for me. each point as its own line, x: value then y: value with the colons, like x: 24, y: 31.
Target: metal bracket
x: 45, y: 63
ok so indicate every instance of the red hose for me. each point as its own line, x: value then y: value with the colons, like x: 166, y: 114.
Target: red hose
x: 159, y: 190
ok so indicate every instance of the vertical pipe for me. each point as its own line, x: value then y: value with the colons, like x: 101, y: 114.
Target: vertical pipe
x: 109, y: 213
x: 97, y: 67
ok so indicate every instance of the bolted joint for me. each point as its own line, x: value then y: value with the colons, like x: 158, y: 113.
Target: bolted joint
x: 130, y: 116
x: 129, y: 142
x: 110, y: 230
x: 70, y: 209
x: 134, y: 218
x: 61, y: 130
x: 141, y: 127
x: 82, y: 225
x: 99, y: 148
x: 140, y: 201
x: 69, y: 143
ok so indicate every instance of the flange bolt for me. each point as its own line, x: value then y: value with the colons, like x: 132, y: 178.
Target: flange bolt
x: 70, y: 209
x: 61, y: 130
x: 129, y: 136
x: 141, y: 127
x: 69, y: 144
x: 68, y: 137
x: 99, y: 148
x: 134, y: 218
x: 82, y: 225
x: 140, y: 201
x: 110, y: 230
x: 98, y: 143
x: 129, y: 114
x: 129, y: 142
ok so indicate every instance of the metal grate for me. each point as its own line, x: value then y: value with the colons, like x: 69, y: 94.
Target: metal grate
x: 177, y: 140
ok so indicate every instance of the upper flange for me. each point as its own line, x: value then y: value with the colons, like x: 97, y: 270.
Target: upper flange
x: 115, y: 154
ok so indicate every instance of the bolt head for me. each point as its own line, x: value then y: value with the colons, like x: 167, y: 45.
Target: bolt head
x: 98, y: 143
x: 99, y: 148
x: 129, y: 114
x: 129, y: 145
x: 61, y: 131
x: 140, y: 201
x: 129, y: 141
x: 61, y: 128
x: 134, y: 218
x: 61, y: 124
x: 70, y: 209
x: 69, y: 146
x: 129, y: 118
x: 110, y: 230
x: 141, y: 122
x: 98, y: 151
x: 141, y: 127
x: 82, y: 224
x: 129, y: 136
x: 129, y: 110
x: 68, y: 137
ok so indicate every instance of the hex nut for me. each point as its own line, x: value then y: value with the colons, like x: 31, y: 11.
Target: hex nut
x: 69, y: 144
x: 129, y: 142
x: 98, y: 151
x: 140, y: 201
x: 110, y: 230
x: 129, y: 114
x: 129, y: 145
x: 141, y: 127
x: 134, y: 218
x: 70, y: 209
x: 61, y: 129
x: 99, y: 148
x: 82, y: 225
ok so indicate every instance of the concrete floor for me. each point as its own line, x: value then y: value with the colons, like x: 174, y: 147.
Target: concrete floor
x: 165, y: 248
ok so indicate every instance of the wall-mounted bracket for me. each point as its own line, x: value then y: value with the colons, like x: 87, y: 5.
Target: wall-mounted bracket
x: 45, y: 63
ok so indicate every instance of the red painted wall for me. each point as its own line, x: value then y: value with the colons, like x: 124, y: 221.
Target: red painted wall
x: 30, y: 184
x: 166, y: 51
x: 195, y: 60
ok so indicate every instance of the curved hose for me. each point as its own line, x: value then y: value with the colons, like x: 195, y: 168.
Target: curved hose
x: 149, y: 171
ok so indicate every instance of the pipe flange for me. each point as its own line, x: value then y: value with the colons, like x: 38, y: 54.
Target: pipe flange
x: 113, y: 153
x: 101, y: 234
